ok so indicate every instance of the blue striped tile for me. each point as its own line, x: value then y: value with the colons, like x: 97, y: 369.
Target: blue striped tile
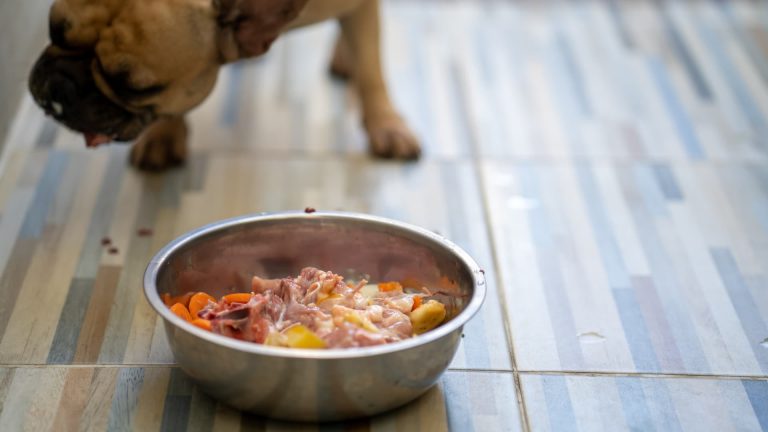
x: 758, y: 397
x: 575, y: 78
x: 102, y: 215
x: 633, y: 401
x: 667, y: 182
x: 48, y: 133
x: 599, y: 219
x: 230, y: 109
x: 459, y: 416
x: 635, y: 330
x: 177, y: 402
x: 662, y: 404
x: 46, y: 191
x: 125, y: 398
x: 744, y: 35
x: 734, y: 80
x: 559, y: 407
x: 620, y: 23
x: 662, y: 270
x: 549, y: 271
x: 64, y: 343
x: 684, y: 55
x: 751, y: 321
x: 676, y: 111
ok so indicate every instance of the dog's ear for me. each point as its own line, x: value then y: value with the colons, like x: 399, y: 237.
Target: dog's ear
x: 248, y: 27
x: 76, y: 24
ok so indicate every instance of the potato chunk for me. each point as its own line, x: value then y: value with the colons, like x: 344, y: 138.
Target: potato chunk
x: 427, y: 316
x: 299, y: 336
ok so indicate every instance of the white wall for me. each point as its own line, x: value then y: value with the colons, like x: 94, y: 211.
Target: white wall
x: 24, y: 30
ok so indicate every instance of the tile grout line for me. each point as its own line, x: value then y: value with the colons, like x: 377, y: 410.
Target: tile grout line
x: 595, y: 374
x: 645, y: 375
x: 484, y: 199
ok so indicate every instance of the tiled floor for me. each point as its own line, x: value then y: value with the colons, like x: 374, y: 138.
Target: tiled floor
x: 605, y: 162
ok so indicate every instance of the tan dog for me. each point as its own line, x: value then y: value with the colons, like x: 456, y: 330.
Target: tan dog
x: 127, y: 69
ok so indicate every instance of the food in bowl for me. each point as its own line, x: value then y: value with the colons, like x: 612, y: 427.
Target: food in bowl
x: 316, y: 309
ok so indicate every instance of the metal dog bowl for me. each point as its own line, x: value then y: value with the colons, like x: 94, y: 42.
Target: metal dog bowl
x: 304, y: 384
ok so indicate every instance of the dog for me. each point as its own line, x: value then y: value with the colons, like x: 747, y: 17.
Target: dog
x: 125, y: 70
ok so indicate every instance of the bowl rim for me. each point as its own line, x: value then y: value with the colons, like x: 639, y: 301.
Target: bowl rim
x: 153, y: 297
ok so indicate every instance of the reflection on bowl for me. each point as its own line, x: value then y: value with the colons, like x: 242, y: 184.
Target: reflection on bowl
x: 300, y: 384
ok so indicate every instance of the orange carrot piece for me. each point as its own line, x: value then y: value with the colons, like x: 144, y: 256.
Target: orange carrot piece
x: 237, y: 298
x: 390, y: 286
x: 202, y: 323
x: 167, y: 299
x: 198, y: 302
x: 183, y: 299
x: 182, y: 311
x: 416, y: 302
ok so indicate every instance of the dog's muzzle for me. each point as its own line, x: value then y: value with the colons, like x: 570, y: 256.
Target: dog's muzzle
x: 61, y: 83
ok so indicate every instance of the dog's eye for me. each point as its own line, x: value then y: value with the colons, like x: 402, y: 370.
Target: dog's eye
x: 57, y: 31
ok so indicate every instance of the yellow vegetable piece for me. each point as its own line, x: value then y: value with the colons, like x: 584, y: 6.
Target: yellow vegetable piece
x: 321, y: 297
x: 299, y: 336
x: 275, y: 339
x: 360, y: 321
x: 427, y: 316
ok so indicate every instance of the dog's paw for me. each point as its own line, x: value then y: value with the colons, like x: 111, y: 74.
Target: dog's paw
x: 390, y: 137
x: 162, y: 145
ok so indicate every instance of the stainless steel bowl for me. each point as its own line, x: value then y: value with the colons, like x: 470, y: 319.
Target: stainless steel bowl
x: 301, y: 384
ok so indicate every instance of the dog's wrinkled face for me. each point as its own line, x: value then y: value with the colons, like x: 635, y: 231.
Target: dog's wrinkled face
x: 114, y: 66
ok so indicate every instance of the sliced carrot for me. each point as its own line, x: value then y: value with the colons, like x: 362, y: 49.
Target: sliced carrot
x: 390, y: 286
x: 167, y: 299
x: 202, y: 323
x: 183, y: 299
x: 416, y: 302
x: 237, y: 298
x: 182, y: 311
x: 198, y: 301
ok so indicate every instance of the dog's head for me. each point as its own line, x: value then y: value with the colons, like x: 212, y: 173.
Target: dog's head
x: 114, y: 66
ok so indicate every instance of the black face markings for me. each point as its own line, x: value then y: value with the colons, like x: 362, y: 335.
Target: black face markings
x: 121, y: 86
x: 57, y: 31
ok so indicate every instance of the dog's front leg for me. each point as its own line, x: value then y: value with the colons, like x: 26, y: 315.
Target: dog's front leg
x: 162, y: 145
x: 388, y: 135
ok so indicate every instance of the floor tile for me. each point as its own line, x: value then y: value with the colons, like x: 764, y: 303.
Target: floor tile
x: 648, y: 267
x: 54, y: 258
x: 624, y: 80
x: 138, y: 398
x: 584, y: 403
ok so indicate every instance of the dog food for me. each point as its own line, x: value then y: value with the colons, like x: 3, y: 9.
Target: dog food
x: 316, y: 309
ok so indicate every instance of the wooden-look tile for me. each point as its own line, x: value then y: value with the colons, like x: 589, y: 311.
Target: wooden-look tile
x: 163, y: 398
x: 633, y: 267
x: 95, y: 311
x: 564, y: 403
x: 617, y: 148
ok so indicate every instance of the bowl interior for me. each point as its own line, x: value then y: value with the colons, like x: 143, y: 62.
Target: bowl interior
x: 223, y: 258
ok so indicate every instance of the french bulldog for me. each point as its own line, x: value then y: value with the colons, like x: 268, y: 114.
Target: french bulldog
x: 130, y: 70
